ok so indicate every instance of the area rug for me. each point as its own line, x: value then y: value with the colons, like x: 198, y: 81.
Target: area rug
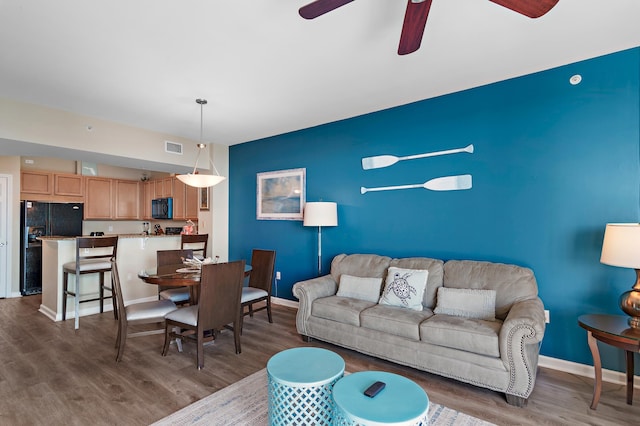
x: 245, y: 403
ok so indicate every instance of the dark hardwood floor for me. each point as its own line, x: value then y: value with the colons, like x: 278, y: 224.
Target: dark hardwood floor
x: 54, y: 375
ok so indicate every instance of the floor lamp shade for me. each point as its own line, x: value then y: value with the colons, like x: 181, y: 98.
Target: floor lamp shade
x: 621, y: 247
x: 320, y: 214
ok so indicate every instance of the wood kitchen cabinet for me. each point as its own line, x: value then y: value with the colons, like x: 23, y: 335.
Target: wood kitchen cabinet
x: 36, y: 182
x: 148, y: 194
x: 191, y: 202
x: 179, y: 200
x: 164, y: 187
x: 185, y: 201
x: 127, y: 199
x: 41, y: 185
x: 68, y: 184
x: 98, y: 198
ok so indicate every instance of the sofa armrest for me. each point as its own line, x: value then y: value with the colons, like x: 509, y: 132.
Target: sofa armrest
x: 308, y: 291
x: 520, y: 337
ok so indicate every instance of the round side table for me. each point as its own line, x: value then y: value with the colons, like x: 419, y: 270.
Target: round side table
x: 401, y: 402
x: 300, y: 382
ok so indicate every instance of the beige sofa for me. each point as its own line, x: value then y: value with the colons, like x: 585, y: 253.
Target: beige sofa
x: 499, y: 354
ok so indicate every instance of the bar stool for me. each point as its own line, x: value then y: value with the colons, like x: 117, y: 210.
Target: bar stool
x: 195, y: 242
x: 93, y: 255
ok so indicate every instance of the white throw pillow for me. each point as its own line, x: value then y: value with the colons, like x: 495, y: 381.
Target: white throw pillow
x: 404, y: 288
x: 359, y: 288
x: 467, y: 303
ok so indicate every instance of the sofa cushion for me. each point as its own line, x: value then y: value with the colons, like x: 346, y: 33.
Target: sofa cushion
x: 359, y: 288
x: 359, y: 265
x: 471, y: 335
x: 404, y: 288
x: 396, y: 321
x: 467, y: 303
x: 341, y: 309
x: 436, y: 274
x: 512, y: 283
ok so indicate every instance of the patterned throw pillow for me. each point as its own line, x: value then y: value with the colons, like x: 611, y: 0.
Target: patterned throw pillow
x: 404, y: 288
x: 467, y: 303
x: 359, y: 288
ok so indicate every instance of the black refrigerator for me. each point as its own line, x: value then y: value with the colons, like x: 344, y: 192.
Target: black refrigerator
x: 43, y: 219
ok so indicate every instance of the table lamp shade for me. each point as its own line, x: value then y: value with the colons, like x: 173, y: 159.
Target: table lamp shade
x: 321, y: 214
x: 621, y: 245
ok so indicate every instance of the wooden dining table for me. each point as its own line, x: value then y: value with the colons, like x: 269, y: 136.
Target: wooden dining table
x: 179, y: 275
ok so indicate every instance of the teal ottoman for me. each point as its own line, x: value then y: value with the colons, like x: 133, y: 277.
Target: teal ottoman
x: 401, y: 402
x: 300, y: 382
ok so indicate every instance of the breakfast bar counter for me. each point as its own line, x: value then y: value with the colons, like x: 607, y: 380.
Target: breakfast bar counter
x: 136, y: 252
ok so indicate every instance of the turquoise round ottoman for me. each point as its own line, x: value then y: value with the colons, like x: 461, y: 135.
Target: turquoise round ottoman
x: 401, y: 402
x: 300, y: 382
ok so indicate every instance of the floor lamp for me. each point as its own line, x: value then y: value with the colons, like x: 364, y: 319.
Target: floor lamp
x: 320, y: 214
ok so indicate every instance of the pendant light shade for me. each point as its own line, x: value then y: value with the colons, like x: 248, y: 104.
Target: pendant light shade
x: 196, y: 179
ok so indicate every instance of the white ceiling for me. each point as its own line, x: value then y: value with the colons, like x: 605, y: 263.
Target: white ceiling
x: 267, y: 71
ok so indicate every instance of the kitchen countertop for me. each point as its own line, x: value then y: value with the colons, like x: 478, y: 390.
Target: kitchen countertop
x: 54, y: 238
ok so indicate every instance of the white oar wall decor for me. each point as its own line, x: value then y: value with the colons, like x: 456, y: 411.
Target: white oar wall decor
x: 380, y: 161
x: 444, y: 183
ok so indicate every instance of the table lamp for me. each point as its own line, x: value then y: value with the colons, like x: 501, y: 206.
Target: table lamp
x: 621, y: 247
x: 320, y: 214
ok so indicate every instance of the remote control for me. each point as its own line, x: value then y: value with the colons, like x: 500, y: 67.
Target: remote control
x: 374, y: 389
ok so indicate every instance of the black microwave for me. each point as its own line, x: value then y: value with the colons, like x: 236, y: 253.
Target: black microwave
x: 162, y: 208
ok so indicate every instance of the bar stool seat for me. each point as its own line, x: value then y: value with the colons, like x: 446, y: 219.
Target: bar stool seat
x: 87, y: 266
x: 93, y: 256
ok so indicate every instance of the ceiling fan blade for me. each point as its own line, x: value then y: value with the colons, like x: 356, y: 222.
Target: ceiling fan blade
x: 530, y: 8
x: 415, y: 19
x: 320, y: 7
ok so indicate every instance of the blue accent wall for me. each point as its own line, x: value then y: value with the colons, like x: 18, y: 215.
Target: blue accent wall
x: 553, y: 164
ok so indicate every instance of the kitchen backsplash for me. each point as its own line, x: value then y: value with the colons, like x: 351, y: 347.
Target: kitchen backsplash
x: 126, y: 226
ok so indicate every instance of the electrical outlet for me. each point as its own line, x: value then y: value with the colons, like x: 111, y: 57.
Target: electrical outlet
x: 110, y: 228
x: 278, y: 276
x: 546, y: 316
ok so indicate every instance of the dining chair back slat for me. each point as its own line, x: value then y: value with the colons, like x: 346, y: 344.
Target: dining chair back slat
x: 220, y: 291
x: 172, y: 257
x: 260, y: 283
x: 196, y: 242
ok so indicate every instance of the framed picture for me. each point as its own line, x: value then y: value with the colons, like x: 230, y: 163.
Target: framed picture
x: 281, y: 195
x: 204, y: 198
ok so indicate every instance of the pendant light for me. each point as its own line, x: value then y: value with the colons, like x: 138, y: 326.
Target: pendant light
x: 196, y: 179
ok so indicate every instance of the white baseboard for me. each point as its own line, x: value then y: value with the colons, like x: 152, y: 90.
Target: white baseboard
x: 585, y: 370
x: 48, y: 313
x: 543, y: 361
x: 284, y: 302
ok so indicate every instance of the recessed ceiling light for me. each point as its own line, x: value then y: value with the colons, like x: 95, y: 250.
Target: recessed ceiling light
x: 575, y: 79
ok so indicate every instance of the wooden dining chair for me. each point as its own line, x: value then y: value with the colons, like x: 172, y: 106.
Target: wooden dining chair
x: 136, y: 314
x: 93, y: 256
x: 195, y: 242
x: 260, y: 282
x: 218, y: 307
x: 178, y: 295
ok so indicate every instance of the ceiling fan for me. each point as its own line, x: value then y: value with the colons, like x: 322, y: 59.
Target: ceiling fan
x: 415, y: 18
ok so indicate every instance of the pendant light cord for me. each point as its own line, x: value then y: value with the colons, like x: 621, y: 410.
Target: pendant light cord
x: 202, y: 145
